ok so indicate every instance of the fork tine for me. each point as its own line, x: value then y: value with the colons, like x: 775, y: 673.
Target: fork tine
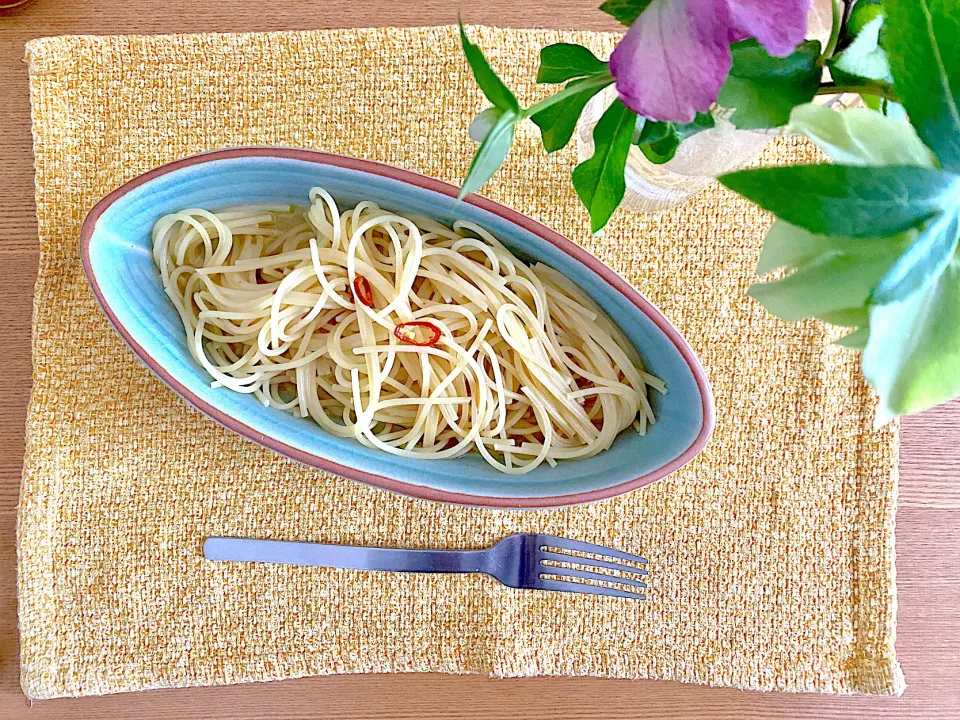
x: 585, y: 547
x: 565, y: 586
x: 577, y: 560
x: 587, y: 575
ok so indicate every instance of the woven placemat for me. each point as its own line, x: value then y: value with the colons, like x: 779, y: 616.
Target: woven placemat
x: 772, y: 556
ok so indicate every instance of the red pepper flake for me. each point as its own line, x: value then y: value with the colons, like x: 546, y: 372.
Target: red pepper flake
x: 363, y: 291
x: 404, y: 332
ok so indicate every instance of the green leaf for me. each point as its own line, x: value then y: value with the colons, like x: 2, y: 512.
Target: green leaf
x: 848, y: 200
x: 483, y: 123
x: 788, y: 244
x: 863, y: 59
x: 599, y: 180
x: 491, y: 85
x: 861, y: 137
x: 625, y: 11
x: 828, y: 278
x: 565, y: 61
x: 922, y: 41
x: 701, y: 122
x: 924, y: 260
x: 863, y: 12
x: 857, y: 340
x: 659, y: 140
x: 913, y: 355
x: 893, y: 110
x: 652, y: 131
x: 851, y: 317
x: 889, y: 108
x: 491, y: 154
x: 558, y: 121
x: 661, y: 151
x: 764, y: 89
x: 829, y: 282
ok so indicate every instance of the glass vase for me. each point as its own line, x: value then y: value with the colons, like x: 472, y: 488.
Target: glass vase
x: 701, y: 158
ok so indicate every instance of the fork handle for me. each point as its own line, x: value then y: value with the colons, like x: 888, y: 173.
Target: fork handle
x: 345, y: 556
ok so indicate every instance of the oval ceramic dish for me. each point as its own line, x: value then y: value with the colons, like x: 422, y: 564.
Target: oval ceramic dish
x: 116, y: 252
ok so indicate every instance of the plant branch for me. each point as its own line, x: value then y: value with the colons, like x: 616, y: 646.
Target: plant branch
x: 838, y: 17
x: 573, y: 88
x: 831, y: 88
x: 845, y: 37
x: 847, y: 9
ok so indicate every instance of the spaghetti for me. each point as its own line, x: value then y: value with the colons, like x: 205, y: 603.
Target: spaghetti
x: 419, y: 339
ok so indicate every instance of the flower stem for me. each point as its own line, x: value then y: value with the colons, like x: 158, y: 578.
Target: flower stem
x: 577, y: 86
x: 839, y: 10
x: 878, y: 90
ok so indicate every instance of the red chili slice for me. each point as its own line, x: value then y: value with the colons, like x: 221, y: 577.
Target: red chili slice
x: 404, y: 333
x: 363, y: 291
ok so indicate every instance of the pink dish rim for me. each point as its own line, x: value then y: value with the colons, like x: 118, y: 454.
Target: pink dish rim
x: 438, y: 186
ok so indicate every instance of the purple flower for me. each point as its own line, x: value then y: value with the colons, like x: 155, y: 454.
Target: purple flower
x: 673, y: 60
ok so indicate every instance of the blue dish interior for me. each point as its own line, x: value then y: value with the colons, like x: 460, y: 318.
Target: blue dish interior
x: 120, y: 254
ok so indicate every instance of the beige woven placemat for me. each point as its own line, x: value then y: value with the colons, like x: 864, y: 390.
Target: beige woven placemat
x: 772, y: 554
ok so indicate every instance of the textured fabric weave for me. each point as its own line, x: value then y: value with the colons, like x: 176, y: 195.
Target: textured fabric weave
x: 772, y: 556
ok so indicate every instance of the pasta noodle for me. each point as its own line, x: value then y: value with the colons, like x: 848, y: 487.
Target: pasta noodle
x: 419, y: 339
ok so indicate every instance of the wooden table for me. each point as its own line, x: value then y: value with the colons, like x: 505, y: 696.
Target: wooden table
x: 928, y: 528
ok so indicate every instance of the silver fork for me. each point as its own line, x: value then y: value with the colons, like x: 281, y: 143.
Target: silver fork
x: 530, y: 561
